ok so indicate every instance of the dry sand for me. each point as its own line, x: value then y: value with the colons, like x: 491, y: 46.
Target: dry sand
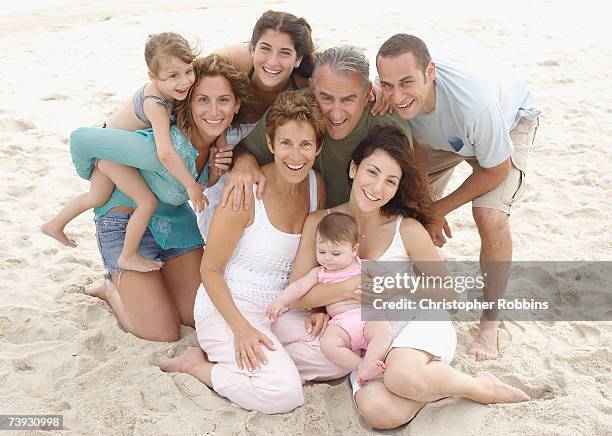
x: 63, y: 352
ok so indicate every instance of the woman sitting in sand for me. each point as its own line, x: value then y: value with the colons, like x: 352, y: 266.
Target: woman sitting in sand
x: 246, y: 265
x: 152, y: 305
x: 389, y: 205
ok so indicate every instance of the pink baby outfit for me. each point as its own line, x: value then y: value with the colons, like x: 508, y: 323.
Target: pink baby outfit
x: 350, y: 320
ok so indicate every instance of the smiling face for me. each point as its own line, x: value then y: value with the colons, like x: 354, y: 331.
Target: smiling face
x: 274, y: 58
x: 342, y: 99
x: 295, y: 148
x: 213, y: 105
x: 174, y: 78
x: 404, y: 84
x: 335, y: 256
x: 375, y: 180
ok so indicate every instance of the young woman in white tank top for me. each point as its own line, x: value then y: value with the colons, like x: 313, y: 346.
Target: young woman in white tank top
x: 390, y: 205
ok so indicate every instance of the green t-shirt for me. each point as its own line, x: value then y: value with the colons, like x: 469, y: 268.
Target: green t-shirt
x: 335, y: 156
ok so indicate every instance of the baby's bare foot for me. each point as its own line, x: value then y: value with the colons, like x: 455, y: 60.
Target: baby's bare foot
x: 137, y: 262
x: 185, y: 362
x: 498, y: 391
x: 370, y: 370
x: 57, y: 232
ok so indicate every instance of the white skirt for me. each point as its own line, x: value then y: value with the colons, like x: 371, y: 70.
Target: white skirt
x: 430, y: 331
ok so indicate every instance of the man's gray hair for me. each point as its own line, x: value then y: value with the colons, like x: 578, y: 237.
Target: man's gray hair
x: 345, y: 60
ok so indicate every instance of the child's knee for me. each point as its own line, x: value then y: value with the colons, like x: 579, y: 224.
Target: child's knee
x: 148, y: 202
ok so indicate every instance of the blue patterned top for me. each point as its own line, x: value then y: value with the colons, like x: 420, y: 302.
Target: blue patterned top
x: 173, y: 224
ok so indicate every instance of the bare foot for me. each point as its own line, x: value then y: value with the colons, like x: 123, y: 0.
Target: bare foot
x: 98, y: 291
x: 57, y: 232
x: 185, y: 362
x: 370, y: 371
x: 488, y: 344
x: 496, y: 391
x: 137, y: 262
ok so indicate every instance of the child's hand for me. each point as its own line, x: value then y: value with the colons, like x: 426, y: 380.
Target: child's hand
x: 274, y: 310
x: 197, y: 197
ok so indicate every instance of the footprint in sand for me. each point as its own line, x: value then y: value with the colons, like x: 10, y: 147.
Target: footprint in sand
x: 12, y: 125
x: 549, y: 63
x: 54, y: 97
x: 538, y: 389
x: 20, y: 191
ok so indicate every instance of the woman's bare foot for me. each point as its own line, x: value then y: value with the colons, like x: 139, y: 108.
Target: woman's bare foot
x: 185, y: 362
x: 98, y: 291
x: 369, y: 371
x: 137, y: 262
x: 496, y: 391
x: 57, y: 232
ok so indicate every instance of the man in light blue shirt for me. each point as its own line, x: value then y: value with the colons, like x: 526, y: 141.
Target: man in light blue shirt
x: 461, y: 110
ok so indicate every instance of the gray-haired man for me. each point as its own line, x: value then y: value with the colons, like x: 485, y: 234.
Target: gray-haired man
x: 341, y: 85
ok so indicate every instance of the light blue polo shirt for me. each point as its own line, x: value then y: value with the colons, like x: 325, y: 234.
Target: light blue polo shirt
x: 477, y: 105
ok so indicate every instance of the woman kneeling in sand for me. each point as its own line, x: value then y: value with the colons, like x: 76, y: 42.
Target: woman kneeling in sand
x: 246, y: 265
x: 152, y: 305
x: 390, y: 208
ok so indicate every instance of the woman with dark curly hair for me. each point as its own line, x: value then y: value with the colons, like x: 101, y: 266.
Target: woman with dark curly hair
x: 390, y: 206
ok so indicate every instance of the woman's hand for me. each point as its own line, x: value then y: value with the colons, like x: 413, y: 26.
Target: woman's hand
x: 247, y: 346
x: 316, y: 323
x: 352, y: 286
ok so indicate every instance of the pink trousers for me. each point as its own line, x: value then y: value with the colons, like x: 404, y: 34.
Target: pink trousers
x: 277, y: 386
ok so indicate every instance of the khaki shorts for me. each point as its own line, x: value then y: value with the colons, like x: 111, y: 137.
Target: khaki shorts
x: 442, y: 163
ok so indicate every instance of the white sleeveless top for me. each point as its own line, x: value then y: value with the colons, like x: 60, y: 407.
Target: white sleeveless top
x: 396, y: 250
x: 259, y: 268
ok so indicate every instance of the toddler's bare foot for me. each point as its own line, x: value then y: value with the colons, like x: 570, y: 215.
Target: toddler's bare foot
x: 57, y: 232
x: 137, y: 262
x: 496, y: 391
x: 370, y: 370
x: 185, y: 362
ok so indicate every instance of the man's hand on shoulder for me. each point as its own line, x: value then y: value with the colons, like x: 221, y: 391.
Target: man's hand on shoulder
x: 240, y: 180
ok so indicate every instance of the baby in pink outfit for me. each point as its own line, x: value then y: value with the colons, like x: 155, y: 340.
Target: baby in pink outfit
x: 347, y: 334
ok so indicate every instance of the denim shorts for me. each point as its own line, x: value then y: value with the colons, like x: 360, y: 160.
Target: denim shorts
x: 110, y: 234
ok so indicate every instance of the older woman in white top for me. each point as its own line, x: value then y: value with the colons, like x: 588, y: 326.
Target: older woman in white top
x: 390, y: 207
x: 246, y: 265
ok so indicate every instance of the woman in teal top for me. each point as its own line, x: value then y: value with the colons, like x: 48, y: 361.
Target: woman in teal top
x: 152, y: 305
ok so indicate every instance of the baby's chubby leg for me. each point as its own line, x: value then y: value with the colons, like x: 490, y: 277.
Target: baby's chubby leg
x: 100, y: 190
x: 336, y: 346
x: 379, y: 335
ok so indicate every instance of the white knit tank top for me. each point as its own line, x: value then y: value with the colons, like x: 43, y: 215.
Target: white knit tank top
x: 262, y: 261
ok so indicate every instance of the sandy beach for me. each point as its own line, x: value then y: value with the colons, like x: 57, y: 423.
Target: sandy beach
x: 66, y: 65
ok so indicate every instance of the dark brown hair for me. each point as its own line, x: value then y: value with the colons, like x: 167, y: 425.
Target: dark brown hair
x: 338, y: 227
x: 297, y: 28
x: 160, y: 46
x: 212, y: 65
x: 295, y: 106
x: 401, y: 43
x: 411, y: 199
